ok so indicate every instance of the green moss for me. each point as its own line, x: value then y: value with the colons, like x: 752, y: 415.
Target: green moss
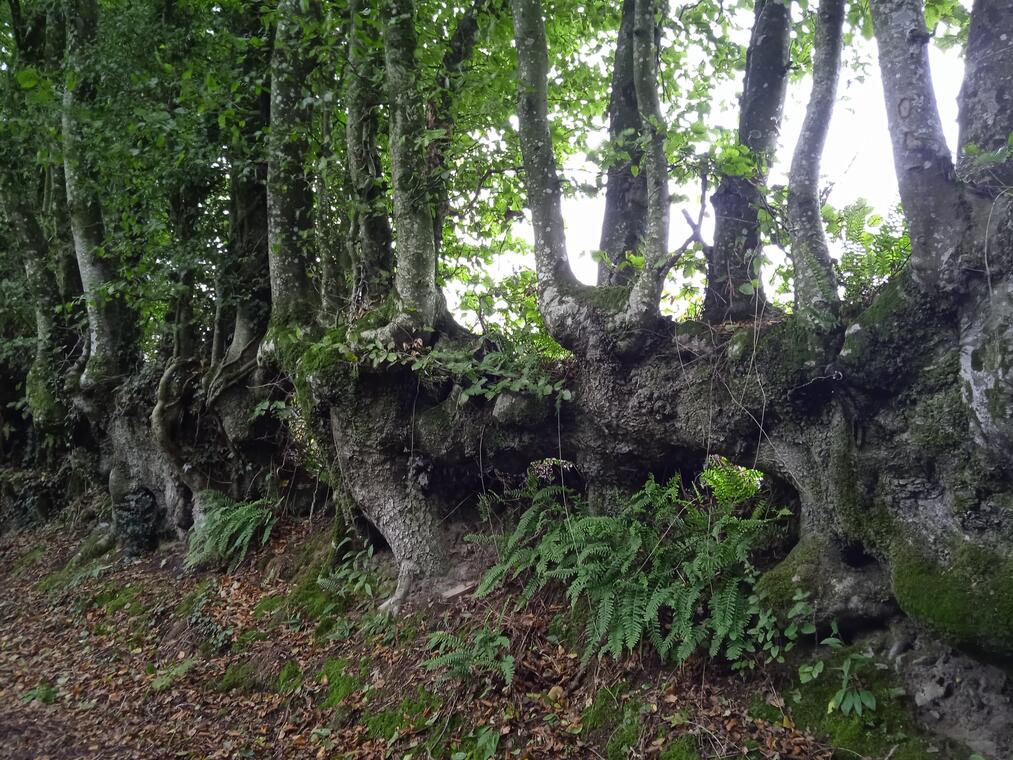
x: 40, y: 384
x: 626, y: 735
x: 889, y: 730
x: 113, y: 599
x: 683, y: 748
x: 268, y: 605
x: 760, y: 709
x: 249, y: 637
x: 341, y: 681
x: 938, y: 422
x: 603, y: 711
x: 290, y: 677
x: 567, y: 628
x: 239, y: 676
x: 799, y: 570
x: 72, y: 575
x: 784, y: 351
x: 608, y: 298
x: 411, y: 715
x: 893, y: 339
x: 97, y: 544
x: 969, y: 603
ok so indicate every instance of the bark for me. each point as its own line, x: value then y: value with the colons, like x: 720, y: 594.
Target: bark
x: 290, y: 196
x: 642, y: 310
x: 557, y: 286
x: 184, y: 213
x: 111, y: 325
x: 625, y: 194
x: 932, y: 204
x: 372, y: 255
x: 43, y: 387
x: 986, y: 98
x: 733, y: 288
x: 816, y: 297
x: 333, y: 228
x: 415, y: 278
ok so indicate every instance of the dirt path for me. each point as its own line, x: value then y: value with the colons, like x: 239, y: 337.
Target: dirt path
x: 134, y: 659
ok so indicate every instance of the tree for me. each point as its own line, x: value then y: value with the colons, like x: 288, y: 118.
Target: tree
x: 272, y: 304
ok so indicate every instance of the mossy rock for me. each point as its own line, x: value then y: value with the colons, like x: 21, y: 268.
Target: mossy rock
x: 799, y: 570
x: 239, y: 676
x: 969, y: 603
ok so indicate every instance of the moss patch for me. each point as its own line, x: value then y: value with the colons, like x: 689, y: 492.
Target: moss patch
x: 113, y: 599
x: 627, y: 733
x: 683, y: 748
x: 341, y: 681
x: 970, y: 603
x: 604, y: 709
x: 290, y: 678
x: 239, y: 676
x: 268, y: 605
x: 799, y: 570
x: 410, y: 715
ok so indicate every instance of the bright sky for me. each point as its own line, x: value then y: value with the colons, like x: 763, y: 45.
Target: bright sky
x: 857, y: 159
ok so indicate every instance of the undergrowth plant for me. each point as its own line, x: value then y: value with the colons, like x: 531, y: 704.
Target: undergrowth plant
x: 224, y: 536
x: 351, y: 582
x: 670, y: 565
x: 484, y: 653
x: 851, y: 697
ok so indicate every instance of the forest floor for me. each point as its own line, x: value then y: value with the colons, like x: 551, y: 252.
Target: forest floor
x: 137, y: 658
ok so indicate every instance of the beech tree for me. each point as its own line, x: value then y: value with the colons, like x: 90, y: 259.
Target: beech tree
x: 268, y: 204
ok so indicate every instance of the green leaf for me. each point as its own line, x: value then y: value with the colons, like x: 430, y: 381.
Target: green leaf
x: 27, y: 78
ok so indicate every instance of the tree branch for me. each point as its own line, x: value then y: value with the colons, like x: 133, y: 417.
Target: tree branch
x: 289, y: 194
x: 625, y: 195
x: 372, y: 257
x: 985, y: 156
x: 557, y: 286
x: 921, y: 158
x: 645, y: 296
x: 731, y: 260
x: 816, y: 297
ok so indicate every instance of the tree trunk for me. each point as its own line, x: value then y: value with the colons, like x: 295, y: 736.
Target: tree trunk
x: 734, y: 291
x: 625, y: 192
x: 111, y: 325
x: 289, y: 194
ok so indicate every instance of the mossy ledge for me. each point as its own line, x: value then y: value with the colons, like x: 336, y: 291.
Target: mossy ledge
x: 969, y: 603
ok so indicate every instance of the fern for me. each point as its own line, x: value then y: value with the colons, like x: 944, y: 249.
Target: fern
x: 671, y: 566
x: 482, y: 654
x: 224, y: 536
